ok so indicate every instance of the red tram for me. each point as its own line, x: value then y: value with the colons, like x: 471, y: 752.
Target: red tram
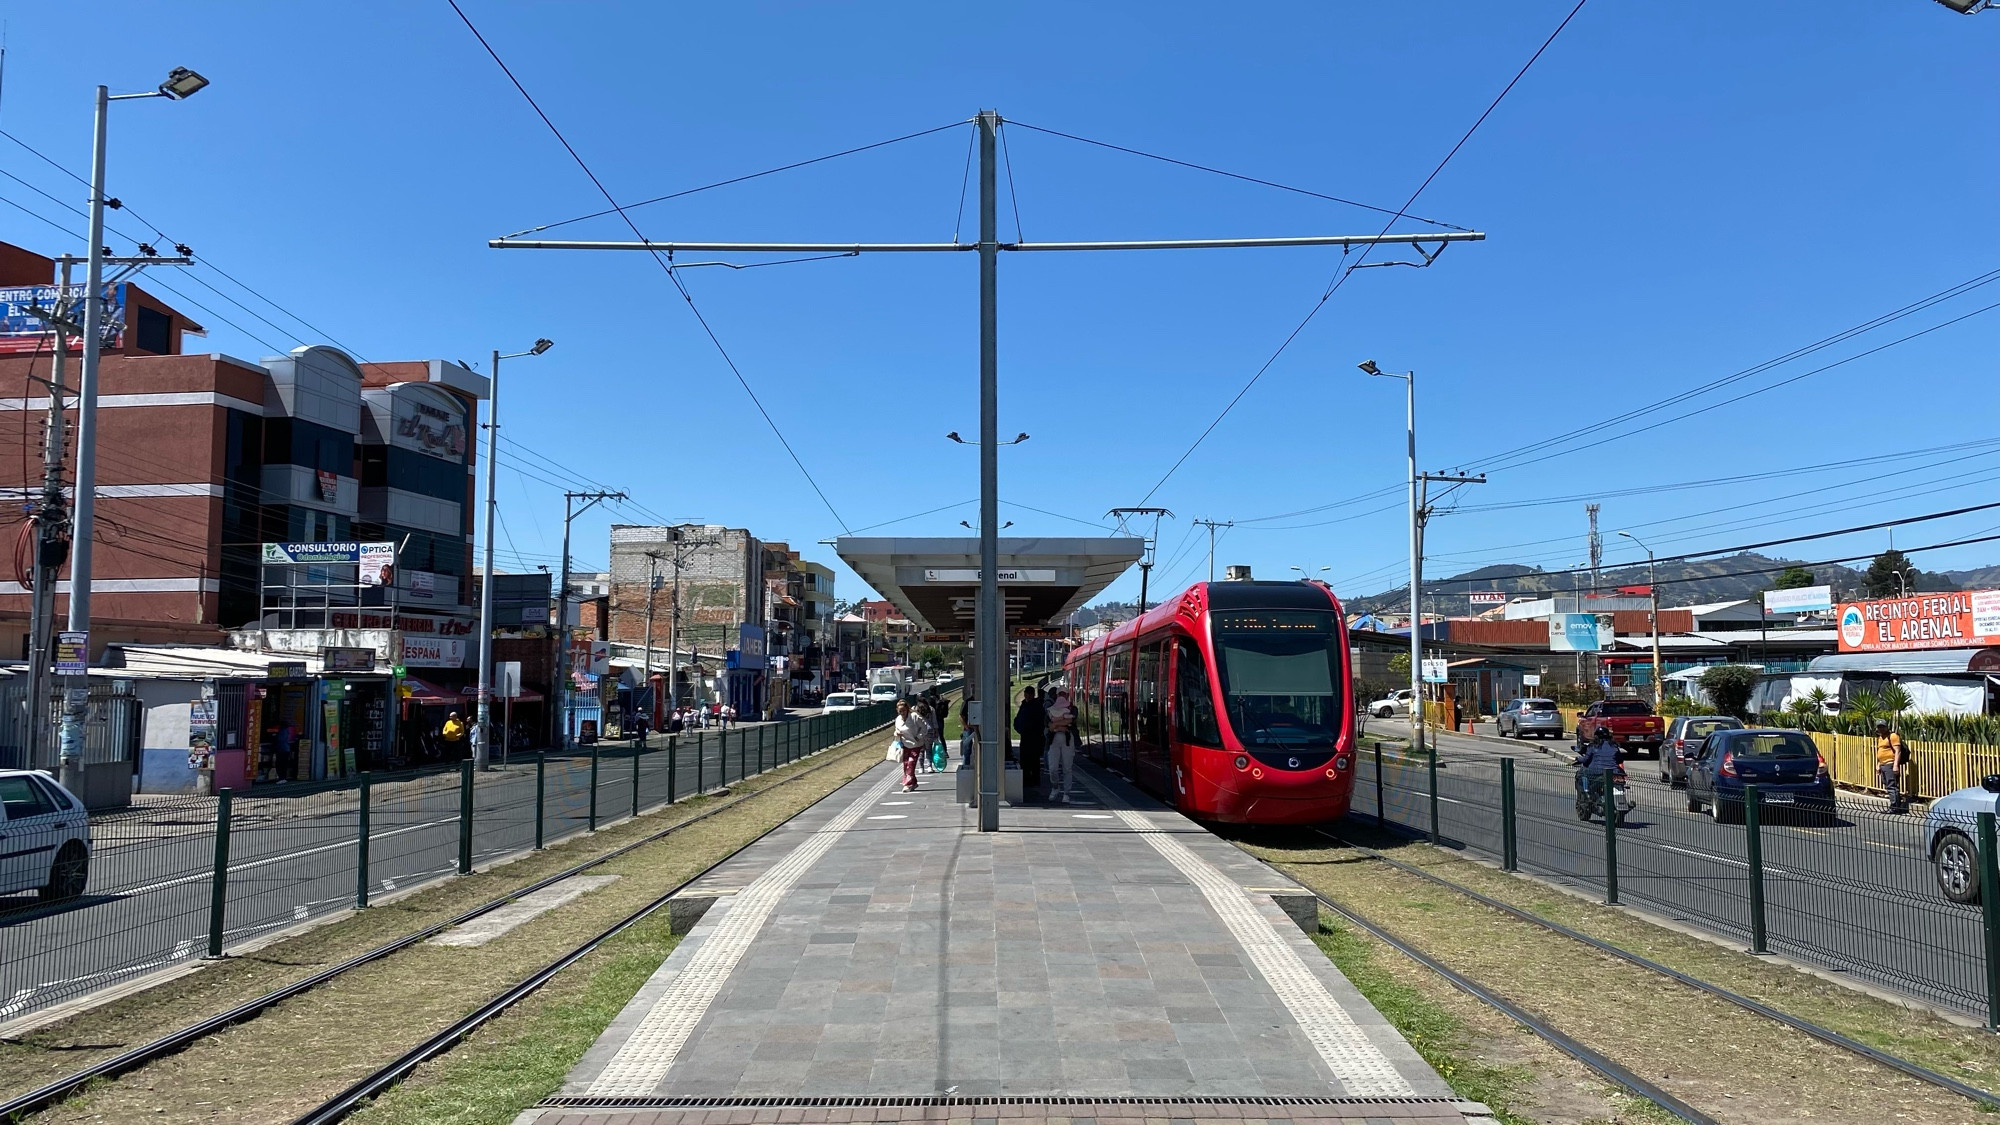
x: 1232, y: 702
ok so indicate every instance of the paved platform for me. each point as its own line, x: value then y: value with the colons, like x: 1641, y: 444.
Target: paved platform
x: 876, y: 959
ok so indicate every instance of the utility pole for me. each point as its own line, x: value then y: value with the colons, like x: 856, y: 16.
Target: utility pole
x: 990, y: 625
x: 1211, y: 525
x: 1653, y: 588
x: 652, y: 587
x: 1424, y: 510
x: 51, y: 528
x: 563, y: 686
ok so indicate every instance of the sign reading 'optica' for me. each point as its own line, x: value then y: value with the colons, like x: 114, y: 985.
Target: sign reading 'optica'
x: 1969, y: 619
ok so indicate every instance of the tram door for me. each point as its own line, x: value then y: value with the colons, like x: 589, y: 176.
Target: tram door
x: 1090, y: 707
x: 1118, y: 709
x: 1195, y: 725
x: 1149, y: 720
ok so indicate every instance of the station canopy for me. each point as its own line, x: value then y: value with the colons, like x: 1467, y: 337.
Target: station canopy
x: 935, y: 582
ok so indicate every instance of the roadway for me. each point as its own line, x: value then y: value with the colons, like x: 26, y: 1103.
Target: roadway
x: 1854, y: 895
x: 293, y: 856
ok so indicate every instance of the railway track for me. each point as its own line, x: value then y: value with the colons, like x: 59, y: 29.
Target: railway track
x: 183, y: 1037
x: 1596, y: 1060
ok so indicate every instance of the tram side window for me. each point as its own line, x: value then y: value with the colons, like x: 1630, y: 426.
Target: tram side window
x: 1194, y: 704
x: 1086, y: 698
x: 1147, y: 694
x: 1117, y: 685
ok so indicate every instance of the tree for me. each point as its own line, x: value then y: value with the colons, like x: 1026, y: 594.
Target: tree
x: 1399, y: 667
x: 1729, y: 687
x: 1793, y: 578
x: 1880, y: 580
x: 931, y: 657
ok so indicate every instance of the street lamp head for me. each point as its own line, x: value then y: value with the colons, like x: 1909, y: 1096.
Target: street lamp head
x: 1368, y: 365
x: 1628, y: 535
x: 182, y: 83
x: 953, y: 436
x: 541, y: 346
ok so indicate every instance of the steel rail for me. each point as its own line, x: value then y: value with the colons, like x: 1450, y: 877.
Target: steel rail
x: 177, y: 1040
x: 1595, y: 1060
x: 348, y: 1100
x: 1823, y: 1034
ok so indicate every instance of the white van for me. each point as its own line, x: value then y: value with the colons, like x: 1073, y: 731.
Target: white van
x: 884, y: 693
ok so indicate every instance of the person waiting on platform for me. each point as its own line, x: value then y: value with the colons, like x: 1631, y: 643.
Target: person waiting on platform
x: 1031, y: 722
x: 1062, y: 747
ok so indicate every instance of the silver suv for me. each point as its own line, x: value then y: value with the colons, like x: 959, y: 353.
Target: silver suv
x: 1523, y: 717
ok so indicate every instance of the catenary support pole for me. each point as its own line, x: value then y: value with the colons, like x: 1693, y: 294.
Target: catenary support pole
x: 1431, y: 767
x: 673, y: 768
x: 1416, y: 577
x: 635, y: 781
x: 991, y: 614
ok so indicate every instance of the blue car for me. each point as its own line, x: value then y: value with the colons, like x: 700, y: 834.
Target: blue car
x: 1951, y: 829
x: 1784, y: 765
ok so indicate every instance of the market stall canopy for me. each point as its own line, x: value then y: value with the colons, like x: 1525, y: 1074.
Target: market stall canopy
x: 935, y: 582
x: 429, y: 694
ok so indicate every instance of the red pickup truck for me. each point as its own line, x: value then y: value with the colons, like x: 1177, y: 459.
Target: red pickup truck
x: 1630, y: 721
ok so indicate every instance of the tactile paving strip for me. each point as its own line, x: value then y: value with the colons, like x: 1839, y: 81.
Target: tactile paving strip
x: 1361, y: 1066
x: 644, y: 1058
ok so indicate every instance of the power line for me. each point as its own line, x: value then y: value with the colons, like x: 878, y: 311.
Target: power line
x: 1347, y: 271
x: 1237, y: 176
x: 663, y: 264
x: 616, y: 210
x: 1755, y: 369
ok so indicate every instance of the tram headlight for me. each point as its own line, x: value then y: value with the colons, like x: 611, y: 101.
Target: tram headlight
x: 1341, y: 763
x: 1242, y: 763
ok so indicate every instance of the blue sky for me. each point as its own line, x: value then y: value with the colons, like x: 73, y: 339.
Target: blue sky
x: 1675, y: 193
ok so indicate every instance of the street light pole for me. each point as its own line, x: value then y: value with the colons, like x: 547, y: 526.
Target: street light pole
x: 180, y: 83
x: 1416, y: 558
x: 482, y: 733
x: 991, y: 613
x: 1653, y: 588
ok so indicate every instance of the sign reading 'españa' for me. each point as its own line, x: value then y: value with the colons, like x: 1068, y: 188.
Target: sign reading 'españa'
x: 1969, y: 619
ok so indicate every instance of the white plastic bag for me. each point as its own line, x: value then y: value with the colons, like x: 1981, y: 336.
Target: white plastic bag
x: 895, y: 753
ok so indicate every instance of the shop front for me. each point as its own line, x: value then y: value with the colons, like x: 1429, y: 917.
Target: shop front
x: 318, y: 728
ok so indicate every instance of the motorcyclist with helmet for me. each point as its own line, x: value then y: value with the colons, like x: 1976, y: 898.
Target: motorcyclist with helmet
x: 1595, y: 761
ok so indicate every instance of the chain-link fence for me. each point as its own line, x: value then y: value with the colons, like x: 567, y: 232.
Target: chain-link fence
x: 1854, y: 889
x: 187, y: 877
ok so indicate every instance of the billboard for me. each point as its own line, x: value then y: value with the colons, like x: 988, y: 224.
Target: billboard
x: 1436, y: 671
x: 1963, y: 619
x: 22, y: 331
x: 1581, y: 632
x: 1486, y: 597
x: 1809, y: 599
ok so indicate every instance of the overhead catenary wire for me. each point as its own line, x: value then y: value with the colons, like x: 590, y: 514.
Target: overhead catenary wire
x: 665, y: 267
x: 1347, y: 269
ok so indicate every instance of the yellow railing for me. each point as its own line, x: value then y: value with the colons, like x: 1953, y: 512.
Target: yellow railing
x: 1436, y: 714
x: 1936, y: 768
x: 1570, y: 716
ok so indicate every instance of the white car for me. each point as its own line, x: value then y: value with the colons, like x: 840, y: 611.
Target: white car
x: 839, y: 701
x: 44, y: 837
x: 1395, y: 703
x: 1951, y: 828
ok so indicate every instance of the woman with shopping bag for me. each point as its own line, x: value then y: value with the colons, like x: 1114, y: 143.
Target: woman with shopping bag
x: 913, y: 737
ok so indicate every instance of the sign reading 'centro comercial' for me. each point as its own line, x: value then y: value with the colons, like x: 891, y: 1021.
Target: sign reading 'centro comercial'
x: 1970, y: 619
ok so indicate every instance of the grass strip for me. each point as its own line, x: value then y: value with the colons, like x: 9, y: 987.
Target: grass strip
x: 523, y: 1057
x: 1436, y: 1034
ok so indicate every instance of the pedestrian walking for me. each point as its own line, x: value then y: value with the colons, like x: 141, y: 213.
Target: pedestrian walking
x: 922, y: 708
x: 453, y: 734
x: 1892, y: 760
x: 1062, y: 746
x: 912, y: 738
x: 1031, y: 722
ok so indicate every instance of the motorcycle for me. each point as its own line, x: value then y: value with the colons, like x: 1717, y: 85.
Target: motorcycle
x: 1590, y: 798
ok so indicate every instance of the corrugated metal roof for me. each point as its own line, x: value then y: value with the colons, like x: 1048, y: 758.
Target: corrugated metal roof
x: 1937, y: 661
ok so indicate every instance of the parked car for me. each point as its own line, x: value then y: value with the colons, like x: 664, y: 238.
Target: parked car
x: 44, y: 837
x: 1523, y: 717
x: 839, y: 701
x: 1630, y: 721
x: 1784, y: 765
x: 1683, y: 738
x: 1393, y: 704
x: 1952, y: 829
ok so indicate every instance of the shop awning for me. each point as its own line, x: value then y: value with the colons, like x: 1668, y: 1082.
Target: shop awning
x: 428, y: 694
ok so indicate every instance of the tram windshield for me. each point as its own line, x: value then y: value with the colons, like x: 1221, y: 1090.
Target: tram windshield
x: 1281, y: 676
